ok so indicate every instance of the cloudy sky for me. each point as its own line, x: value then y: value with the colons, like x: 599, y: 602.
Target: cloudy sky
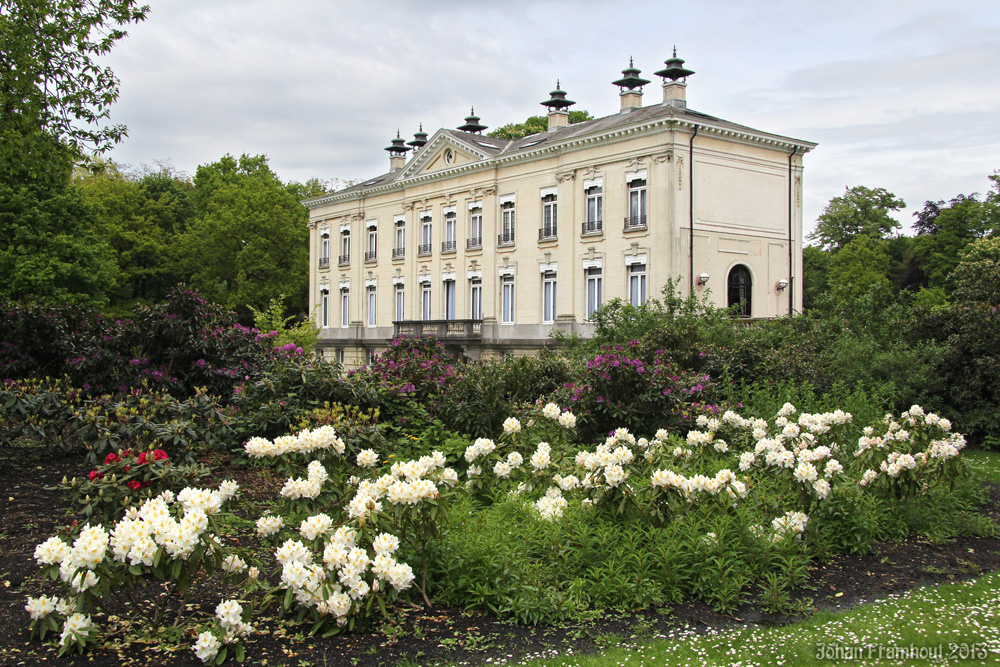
x: 900, y: 94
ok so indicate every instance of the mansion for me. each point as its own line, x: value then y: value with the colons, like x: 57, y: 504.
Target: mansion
x: 491, y: 244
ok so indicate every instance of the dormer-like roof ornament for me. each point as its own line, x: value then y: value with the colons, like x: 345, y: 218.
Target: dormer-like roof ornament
x: 472, y: 123
x: 674, y: 69
x: 630, y: 78
x: 398, y: 147
x: 557, y: 99
x: 419, y: 138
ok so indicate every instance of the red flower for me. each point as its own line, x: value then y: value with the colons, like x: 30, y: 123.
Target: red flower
x: 95, y: 475
x: 111, y: 458
x: 135, y: 485
x: 127, y: 468
x: 159, y: 455
x: 142, y: 458
x: 149, y: 483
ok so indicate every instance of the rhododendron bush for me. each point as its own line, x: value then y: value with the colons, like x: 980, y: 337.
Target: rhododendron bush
x: 529, y: 525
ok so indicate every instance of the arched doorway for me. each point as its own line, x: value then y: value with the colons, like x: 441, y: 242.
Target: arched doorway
x: 740, y: 289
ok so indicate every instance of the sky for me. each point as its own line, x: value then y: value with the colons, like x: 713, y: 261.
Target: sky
x: 899, y: 94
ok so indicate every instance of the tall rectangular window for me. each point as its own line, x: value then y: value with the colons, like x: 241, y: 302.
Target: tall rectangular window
x: 425, y: 235
x: 507, y: 300
x: 345, y: 247
x: 548, y: 216
x: 506, y: 223
x: 324, y: 249
x: 595, y: 209
x: 549, y: 297
x: 637, y: 284
x: 449, y: 299
x: 400, y: 301
x: 476, y: 298
x: 450, y: 231
x: 475, y: 228
x: 425, y: 301
x: 636, y: 204
x: 370, y: 255
x: 345, y: 300
x: 324, y: 308
x: 593, y: 290
x: 371, y: 306
x: 400, y: 249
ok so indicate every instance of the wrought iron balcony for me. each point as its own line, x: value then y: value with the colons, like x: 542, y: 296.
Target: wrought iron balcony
x: 398, y: 253
x: 505, y: 238
x: 423, y: 249
x: 635, y: 222
x: 547, y: 233
x: 370, y: 257
x: 448, y: 246
x: 324, y: 262
x: 474, y: 243
x: 593, y: 227
x: 344, y: 260
x: 446, y: 330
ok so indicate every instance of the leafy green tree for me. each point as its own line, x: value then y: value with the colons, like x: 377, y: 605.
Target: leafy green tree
x: 815, y: 270
x: 977, y: 275
x: 49, y: 252
x: 140, y: 216
x: 51, y: 79
x: 859, y: 210
x: 298, y: 331
x: 962, y: 221
x: 534, y: 125
x: 858, y: 267
x: 249, y: 241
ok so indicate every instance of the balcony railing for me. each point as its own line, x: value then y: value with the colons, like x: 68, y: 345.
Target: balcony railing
x: 370, y: 256
x: 448, y: 246
x: 635, y: 222
x: 344, y: 260
x: 505, y: 238
x: 442, y: 329
x: 423, y: 249
x: 398, y: 253
x: 547, y: 233
x: 324, y: 262
x: 474, y: 243
x: 593, y: 227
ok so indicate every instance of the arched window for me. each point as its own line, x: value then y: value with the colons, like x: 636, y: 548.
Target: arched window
x: 740, y: 285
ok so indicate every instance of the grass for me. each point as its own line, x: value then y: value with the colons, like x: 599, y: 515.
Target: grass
x: 984, y: 463
x: 946, y: 624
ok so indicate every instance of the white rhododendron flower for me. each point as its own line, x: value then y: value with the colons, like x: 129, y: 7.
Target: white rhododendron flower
x: 502, y: 469
x: 76, y: 627
x: 551, y: 411
x: 207, y: 647
x: 567, y: 420
x: 367, y: 458
x: 233, y: 564
x: 268, y: 525
x: 41, y: 607
x: 511, y: 425
x: 315, y: 526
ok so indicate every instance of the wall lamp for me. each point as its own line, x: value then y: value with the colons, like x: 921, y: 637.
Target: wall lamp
x: 781, y: 285
x: 702, y: 279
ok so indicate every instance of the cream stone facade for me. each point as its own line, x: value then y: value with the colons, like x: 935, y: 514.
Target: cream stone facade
x: 491, y: 244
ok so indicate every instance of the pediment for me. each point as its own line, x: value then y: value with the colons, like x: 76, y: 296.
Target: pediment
x: 443, y: 151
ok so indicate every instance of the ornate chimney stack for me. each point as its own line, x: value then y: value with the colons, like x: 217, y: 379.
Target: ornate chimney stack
x: 397, y: 153
x: 631, y: 87
x: 674, y: 91
x: 558, y: 107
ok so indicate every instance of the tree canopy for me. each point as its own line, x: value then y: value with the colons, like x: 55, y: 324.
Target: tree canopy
x: 860, y: 210
x: 534, y: 125
x: 51, y: 82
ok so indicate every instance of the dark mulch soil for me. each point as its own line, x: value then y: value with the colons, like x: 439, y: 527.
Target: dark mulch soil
x: 29, y: 514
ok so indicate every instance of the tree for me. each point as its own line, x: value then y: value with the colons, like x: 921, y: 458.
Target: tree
x: 977, y: 275
x: 815, y: 270
x: 140, y: 215
x: 48, y: 250
x: 534, y: 125
x: 249, y: 243
x: 860, y: 210
x: 858, y: 267
x: 50, y: 80
x: 957, y: 225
